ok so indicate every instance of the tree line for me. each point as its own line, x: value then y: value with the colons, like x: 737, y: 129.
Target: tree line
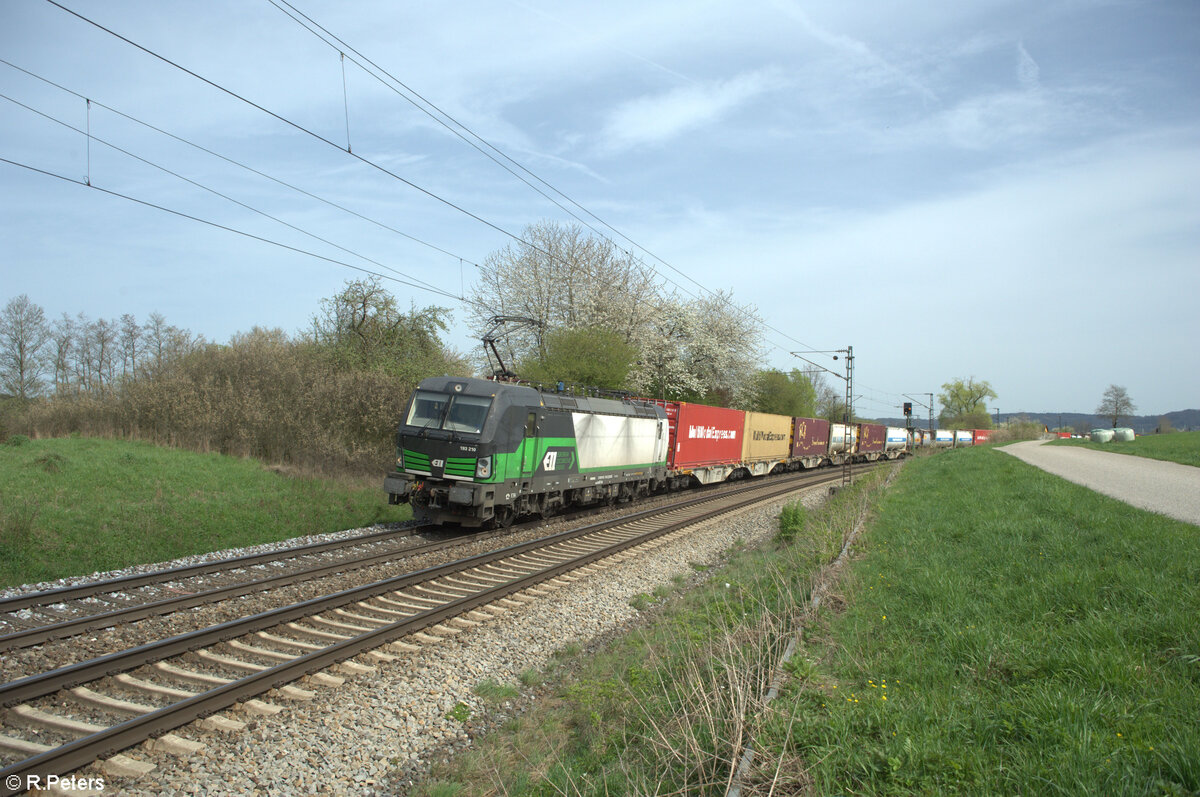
x: 325, y: 400
x: 76, y: 355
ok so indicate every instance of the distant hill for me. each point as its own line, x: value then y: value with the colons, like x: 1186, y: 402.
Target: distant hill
x: 1181, y: 420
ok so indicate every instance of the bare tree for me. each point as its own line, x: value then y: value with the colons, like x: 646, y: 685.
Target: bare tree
x: 104, y: 338
x: 363, y: 327
x: 23, y: 334
x: 162, y: 342
x: 1115, y: 404
x: 81, y: 353
x: 155, y: 336
x: 62, y: 341
x: 130, y: 341
x: 830, y: 399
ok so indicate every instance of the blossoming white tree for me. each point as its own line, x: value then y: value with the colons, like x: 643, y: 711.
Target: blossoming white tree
x: 698, y: 348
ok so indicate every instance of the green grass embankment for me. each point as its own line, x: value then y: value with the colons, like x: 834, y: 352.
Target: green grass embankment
x: 1181, y: 447
x: 999, y: 631
x: 1029, y: 636
x: 74, y: 506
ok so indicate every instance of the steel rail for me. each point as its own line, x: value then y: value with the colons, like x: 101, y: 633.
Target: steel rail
x: 32, y: 636
x: 91, y: 589
x: 121, y: 736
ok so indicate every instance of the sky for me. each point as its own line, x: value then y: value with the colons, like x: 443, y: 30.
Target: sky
x: 1004, y: 189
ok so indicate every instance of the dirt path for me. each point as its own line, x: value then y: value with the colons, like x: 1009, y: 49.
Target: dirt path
x: 1165, y: 487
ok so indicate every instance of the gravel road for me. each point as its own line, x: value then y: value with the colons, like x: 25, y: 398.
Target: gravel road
x: 1168, y: 488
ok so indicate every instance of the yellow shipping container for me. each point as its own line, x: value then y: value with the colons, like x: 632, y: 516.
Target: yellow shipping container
x: 767, y: 438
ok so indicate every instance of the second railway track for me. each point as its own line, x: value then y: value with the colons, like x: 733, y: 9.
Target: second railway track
x: 55, y: 614
x: 170, y: 683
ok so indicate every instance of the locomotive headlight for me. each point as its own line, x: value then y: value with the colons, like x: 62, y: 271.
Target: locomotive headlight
x: 483, y: 468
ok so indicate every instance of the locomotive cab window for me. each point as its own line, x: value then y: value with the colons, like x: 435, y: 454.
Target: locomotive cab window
x: 531, y: 425
x: 427, y: 409
x: 467, y: 414
x: 452, y: 413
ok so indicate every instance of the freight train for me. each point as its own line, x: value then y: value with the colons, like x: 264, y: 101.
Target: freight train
x: 482, y: 453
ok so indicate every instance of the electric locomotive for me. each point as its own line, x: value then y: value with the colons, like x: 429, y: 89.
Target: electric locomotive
x: 476, y: 452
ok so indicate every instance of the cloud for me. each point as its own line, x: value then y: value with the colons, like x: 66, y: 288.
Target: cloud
x: 865, y: 60
x: 1028, y: 73
x: 655, y: 119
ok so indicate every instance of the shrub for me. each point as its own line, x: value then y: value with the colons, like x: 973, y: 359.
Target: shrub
x: 792, y: 520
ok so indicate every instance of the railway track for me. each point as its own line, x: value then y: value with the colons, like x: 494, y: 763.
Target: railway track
x: 37, y: 617
x: 58, y: 721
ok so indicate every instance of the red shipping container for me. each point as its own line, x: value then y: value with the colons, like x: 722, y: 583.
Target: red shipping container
x: 872, y: 437
x: 702, y: 435
x: 810, y: 437
x: 982, y: 435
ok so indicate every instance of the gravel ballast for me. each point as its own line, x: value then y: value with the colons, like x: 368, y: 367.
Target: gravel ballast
x: 379, y: 731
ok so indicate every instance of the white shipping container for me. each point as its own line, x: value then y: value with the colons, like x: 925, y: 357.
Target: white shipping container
x: 897, y: 439
x: 614, y: 441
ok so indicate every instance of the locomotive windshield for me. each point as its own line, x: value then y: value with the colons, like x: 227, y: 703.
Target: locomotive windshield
x: 452, y: 413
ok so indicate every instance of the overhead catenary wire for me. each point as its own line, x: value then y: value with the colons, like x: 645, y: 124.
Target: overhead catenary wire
x: 366, y: 161
x: 299, y: 127
x: 424, y: 105
x: 240, y: 165
x: 440, y: 116
x: 408, y: 280
x: 302, y: 129
x: 219, y: 226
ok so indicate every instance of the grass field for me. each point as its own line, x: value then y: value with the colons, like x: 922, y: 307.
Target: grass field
x: 1006, y: 632
x: 76, y: 506
x: 1000, y: 631
x: 1181, y: 447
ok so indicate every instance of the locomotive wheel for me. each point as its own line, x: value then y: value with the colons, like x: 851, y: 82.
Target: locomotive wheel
x: 504, y: 517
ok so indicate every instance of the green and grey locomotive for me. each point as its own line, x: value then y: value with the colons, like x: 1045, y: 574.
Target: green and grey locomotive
x: 476, y: 452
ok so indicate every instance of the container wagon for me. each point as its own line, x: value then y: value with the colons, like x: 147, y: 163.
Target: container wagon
x: 810, y: 442
x: 767, y: 442
x: 872, y: 440
x: 981, y: 436
x: 842, y: 439
x: 705, y: 443
x: 897, y: 444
